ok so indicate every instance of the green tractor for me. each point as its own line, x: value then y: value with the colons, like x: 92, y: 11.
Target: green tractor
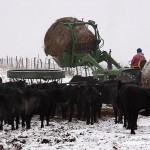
x: 82, y: 54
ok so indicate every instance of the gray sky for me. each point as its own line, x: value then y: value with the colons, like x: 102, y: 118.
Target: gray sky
x: 123, y: 24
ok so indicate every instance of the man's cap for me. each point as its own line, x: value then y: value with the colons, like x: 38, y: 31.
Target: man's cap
x: 139, y: 50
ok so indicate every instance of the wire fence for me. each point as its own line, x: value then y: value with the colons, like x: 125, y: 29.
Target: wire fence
x: 38, y: 63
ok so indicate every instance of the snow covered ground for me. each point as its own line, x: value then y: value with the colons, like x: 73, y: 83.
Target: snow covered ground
x: 104, y: 135
x: 60, y: 134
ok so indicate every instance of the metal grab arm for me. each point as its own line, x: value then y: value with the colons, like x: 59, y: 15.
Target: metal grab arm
x: 89, y: 59
x: 104, y: 56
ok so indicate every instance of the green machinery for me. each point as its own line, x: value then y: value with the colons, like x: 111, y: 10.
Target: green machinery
x: 74, y: 57
x: 79, y: 54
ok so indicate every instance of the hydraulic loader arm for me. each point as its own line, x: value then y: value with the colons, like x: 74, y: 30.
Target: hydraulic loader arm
x: 104, y: 56
x: 97, y: 69
x: 88, y: 59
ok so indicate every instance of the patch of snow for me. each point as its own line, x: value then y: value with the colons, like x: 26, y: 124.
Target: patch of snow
x: 61, y: 134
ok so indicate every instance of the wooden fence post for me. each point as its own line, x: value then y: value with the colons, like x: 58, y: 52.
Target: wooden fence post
x: 49, y: 63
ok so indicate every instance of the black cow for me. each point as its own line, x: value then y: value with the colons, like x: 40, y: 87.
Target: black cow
x: 79, y: 78
x: 3, y: 110
x: 83, y: 96
x: 58, y: 98
x: 68, y: 93
x: 16, y: 84
x: 80, y: 99
x: 45, y: 107
x: 88, y: 101
x: 117, y: 112
x: 31, y: 99
x: 55, y: 92
x: 109, y: 94
x: 12, y: 105
x: 51, y: 86
x: 71, y: 93
x: 38, y: 102
x: 131, y: 99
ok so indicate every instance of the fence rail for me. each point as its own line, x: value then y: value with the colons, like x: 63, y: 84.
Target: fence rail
x: 38, y: 63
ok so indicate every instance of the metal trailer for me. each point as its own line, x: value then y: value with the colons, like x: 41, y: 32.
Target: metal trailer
x: 36, y: 74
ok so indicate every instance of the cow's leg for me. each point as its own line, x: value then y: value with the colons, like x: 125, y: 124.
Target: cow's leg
x: 79, y: 109
x: 11, y: 121
x: 1, y: 124
x: 129, y: 119
x: 12, y: 124
x: 125, y: 120
x: 91, y: 116
x: 95, y: 116
x: 71, y: 106
x: 64, y: 107
x: 17, y: 121
x: 88, y: 115
x: 100, y: 111
x: 23, y: 120
x: 133, y: 122
x: 42, y: 120
x: 54, y: 110
x: 116, y: 114
x: 28, y: 122
x: 120, y: 117
x: 136, y: 120
x: 47, y: 118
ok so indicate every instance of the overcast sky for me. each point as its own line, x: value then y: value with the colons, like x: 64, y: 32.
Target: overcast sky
x: 123, y: 24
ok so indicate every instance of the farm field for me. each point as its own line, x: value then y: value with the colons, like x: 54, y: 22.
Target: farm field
x: 104, y: 135
x: 64, y: 135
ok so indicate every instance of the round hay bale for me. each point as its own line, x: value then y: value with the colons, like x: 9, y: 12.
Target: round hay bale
x: 145, y: 76
x: 58, y: 38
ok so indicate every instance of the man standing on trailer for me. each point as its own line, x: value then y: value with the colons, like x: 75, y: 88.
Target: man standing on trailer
x: 137, y: 58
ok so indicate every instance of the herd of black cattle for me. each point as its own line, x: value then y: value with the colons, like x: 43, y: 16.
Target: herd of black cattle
x: 19, y: 102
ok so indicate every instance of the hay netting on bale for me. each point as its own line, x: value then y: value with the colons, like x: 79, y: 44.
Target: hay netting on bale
x: 58, y: 38
x: 145, y: 77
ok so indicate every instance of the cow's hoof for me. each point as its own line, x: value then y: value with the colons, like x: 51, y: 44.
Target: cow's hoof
x: 132, y: 132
